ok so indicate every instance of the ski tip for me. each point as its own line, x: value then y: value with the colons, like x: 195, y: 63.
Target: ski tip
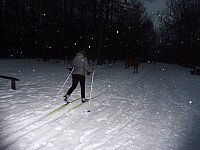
x: 88, y: 111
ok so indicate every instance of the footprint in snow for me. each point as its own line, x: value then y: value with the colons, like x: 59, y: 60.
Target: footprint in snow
x: 104, y: 118
x: 84, y: 139
x: 50, y: 145
x: 87, y: 134
x: 59, y: 128
x: 105, y: 103
x: 6, y: 96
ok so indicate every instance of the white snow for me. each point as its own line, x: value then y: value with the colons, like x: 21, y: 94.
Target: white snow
x: 155, y: 109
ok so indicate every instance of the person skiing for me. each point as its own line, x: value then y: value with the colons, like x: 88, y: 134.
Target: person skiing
x: 80, y: 65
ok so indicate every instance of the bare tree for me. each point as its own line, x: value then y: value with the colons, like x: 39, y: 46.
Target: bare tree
x: 181, y: 24
x: 56, y: 28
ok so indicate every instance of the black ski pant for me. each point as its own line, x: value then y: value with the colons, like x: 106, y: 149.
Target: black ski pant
x: 75, y: 79
x: 135, y: 68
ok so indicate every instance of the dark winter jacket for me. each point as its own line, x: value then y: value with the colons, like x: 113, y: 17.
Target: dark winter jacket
x: 80, y: 64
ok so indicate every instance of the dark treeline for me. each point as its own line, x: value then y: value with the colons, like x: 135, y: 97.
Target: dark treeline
x: 111, y: 29
x: 180, y: 32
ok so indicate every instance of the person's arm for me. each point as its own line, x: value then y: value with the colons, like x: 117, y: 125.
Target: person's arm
x: 87, y: 68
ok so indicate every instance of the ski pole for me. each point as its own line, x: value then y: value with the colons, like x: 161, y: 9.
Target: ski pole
x: 91, y: 90
x: 65, y: 81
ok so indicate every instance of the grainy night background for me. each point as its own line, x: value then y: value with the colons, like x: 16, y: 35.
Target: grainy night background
x: 111, y: 29
x: 153, y: 105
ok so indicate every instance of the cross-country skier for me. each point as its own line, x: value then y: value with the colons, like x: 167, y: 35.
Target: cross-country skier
x: 80, y: 65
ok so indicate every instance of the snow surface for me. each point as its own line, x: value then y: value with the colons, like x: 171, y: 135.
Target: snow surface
x: 155, y: 109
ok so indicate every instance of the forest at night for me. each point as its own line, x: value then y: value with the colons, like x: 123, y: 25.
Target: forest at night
x: 111, y: 29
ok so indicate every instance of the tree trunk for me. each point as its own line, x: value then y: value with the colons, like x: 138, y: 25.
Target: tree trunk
x: 100, y: 37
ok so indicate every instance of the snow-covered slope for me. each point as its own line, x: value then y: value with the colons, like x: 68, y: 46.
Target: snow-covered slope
x: 156, y: 109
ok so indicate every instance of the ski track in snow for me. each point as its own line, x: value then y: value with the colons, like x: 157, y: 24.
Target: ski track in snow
x: 156, y: 109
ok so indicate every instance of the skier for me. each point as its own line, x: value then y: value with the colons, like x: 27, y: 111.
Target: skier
x: 80, y: 65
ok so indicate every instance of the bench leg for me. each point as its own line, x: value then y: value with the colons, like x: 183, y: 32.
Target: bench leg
x: 13, y: 84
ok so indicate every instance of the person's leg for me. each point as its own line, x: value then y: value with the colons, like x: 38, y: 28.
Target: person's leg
x: 82, y: 84
x: 137, y: 69
x: 74, y: 84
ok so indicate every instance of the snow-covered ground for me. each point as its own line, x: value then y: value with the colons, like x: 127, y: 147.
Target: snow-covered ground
x: 155, y: 109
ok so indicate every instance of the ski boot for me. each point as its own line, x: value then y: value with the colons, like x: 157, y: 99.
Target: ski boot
x: 84, y: 100
x: 66, y: 99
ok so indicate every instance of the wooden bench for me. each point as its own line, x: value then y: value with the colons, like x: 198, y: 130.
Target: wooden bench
x: 13, y: 85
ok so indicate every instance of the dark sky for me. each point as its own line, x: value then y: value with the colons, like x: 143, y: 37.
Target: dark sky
x: 153, y: 8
